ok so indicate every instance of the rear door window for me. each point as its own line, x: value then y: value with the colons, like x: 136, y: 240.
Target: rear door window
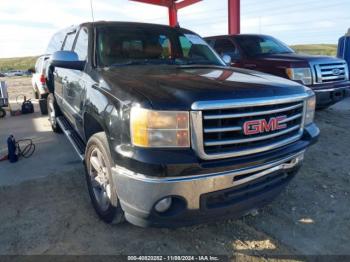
x: 81, y: 45
x: 68, y: 43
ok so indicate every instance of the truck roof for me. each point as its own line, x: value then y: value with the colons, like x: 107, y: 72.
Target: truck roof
x: 236, y: 35
x: 121, y: 23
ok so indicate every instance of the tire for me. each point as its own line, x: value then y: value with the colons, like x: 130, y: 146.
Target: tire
x: 100, y: 184
x: 2, y: 113
x: 43, y: 106
x: 53, y: 111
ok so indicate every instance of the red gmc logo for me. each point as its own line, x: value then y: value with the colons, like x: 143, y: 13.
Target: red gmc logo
x: 258, y: 126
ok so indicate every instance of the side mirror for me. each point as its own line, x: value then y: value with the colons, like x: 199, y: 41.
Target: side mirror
x: 227, y: 59
x: 67, y: 59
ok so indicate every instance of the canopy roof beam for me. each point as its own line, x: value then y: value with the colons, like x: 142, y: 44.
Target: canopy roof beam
x: 234, y: 11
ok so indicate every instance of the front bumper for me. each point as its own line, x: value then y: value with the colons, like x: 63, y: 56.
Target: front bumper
x: 329, y: 94
x: 202, y: 198
x: 204, y: 191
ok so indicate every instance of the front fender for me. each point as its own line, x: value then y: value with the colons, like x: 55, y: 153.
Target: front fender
x: 112, y: 116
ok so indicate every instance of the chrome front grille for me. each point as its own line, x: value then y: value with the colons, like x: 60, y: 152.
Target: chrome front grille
x: 219, y: 131
x: 331, y: 72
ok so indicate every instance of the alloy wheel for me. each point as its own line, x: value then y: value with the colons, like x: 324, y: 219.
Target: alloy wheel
x: 99, y: 178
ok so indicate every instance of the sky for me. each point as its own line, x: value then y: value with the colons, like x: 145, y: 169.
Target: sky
x: 26, y: 26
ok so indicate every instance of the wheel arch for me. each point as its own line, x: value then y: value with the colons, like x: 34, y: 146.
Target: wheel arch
x: 92, y: 125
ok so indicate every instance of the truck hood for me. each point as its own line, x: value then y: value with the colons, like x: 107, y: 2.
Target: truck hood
x: 298, y: 58
x: 178, y: 87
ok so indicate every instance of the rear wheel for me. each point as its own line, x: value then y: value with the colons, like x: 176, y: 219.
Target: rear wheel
x: 101, y: 186
x: 2, y: 112
x: 53, y: 112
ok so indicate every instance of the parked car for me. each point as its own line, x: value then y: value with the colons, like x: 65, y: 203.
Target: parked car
x: 11, y: 73
x: 327, y: 76
x: 39, y: 84
x: 170, y: 135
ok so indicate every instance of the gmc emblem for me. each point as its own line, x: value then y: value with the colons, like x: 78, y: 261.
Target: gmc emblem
x: 258, y: 126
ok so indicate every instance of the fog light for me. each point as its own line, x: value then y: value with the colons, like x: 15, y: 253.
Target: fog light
x: 163, y: 205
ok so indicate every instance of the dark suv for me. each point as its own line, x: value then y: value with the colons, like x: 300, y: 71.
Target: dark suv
x: 168, y: 133
x: 327, y: 76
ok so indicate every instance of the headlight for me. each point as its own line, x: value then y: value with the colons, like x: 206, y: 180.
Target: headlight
x: 151, y: 128
x: 300, y: 74
x: 310, y: 110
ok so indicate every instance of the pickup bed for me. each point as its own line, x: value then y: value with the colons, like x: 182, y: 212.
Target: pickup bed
x: 168, y: 133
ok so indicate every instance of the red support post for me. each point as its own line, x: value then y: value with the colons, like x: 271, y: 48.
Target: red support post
x: 186, y: 3
x: 155, y: 2
x: 173, y: 6
x: 234, y: 17
x: 173, y: 15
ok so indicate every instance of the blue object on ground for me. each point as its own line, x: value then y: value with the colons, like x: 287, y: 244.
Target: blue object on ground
x: 11, y: 144
x: 344, y: 48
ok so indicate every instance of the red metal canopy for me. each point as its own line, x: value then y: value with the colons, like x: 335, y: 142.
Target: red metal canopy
x: 174, y: 5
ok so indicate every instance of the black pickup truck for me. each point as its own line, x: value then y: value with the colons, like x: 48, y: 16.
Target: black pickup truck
x: 169, y: 134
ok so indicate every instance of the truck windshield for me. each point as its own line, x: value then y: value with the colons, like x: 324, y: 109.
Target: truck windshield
x: 145, y: 45
x: 255, y: 46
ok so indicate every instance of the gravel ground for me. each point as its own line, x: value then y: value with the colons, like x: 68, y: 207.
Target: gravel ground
x: 53, y: 214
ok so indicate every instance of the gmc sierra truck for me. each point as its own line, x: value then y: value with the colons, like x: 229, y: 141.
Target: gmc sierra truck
x: 169, y: 134
x: 327, y: 76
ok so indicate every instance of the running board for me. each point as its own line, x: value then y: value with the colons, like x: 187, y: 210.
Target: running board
x: 73, y: 137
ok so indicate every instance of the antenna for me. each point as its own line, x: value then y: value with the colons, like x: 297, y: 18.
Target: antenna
x: 92, y: 11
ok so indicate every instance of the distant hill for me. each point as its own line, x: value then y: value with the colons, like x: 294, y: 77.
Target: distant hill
x: 317, y: 49
x: 24, y: 63
x: 20, y: 63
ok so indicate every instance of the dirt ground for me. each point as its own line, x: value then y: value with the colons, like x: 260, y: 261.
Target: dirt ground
x: 52, y: 214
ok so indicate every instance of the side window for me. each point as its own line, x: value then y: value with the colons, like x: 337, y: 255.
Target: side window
x: 226, y: 47
x: 55, y: 43
x: 269, y: 46
x: 166, y: 46
x: 68, y: 43
x: 195, y: 48
x: 186, y: 46
x: 81, y: 45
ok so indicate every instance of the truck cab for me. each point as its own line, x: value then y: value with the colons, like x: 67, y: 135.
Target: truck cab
x: 168, y: 133
x: 327, y: 76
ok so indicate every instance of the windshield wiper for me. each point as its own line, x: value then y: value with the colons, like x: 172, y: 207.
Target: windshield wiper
x: 128, y: 63
x: 192, y: 62
x: 144, y: 62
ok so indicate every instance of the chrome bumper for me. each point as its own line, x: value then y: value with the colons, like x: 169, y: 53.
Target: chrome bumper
x: 140, y: 193
x: 328, y: 90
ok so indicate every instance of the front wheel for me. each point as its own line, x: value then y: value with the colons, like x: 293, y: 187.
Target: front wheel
x: 53, y: 111
x: 102, y: 191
